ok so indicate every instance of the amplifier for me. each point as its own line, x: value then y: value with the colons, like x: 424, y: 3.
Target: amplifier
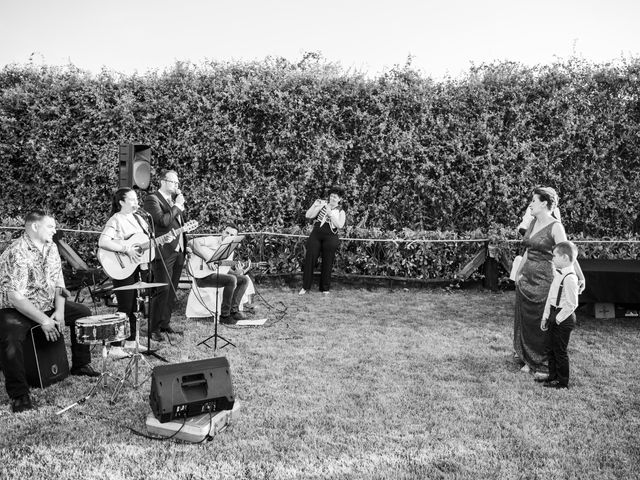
x: 45, y: 362
x: 188, y: 389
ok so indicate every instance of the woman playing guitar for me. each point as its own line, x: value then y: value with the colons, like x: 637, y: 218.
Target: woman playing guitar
x: 123, y: 224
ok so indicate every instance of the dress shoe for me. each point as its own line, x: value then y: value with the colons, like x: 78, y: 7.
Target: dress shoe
x: 554, y: 384
x: 21, y: 404
x: 131, y: 345
x: 227, y: 320
x: 85, y: 370
x: 238, y: 316
x: 541, y: 376
x: 157, y: 337
x: 118, y: 353
x: 171, y: 330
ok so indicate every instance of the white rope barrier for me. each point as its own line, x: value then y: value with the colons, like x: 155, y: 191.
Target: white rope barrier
x: 353, y: 239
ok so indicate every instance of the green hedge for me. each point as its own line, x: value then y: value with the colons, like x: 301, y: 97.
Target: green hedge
x: 256, y: 143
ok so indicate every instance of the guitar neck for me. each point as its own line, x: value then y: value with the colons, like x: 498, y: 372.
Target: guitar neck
x: 162, y: 239
x: 222, y: 263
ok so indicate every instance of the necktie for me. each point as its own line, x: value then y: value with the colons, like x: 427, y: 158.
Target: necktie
x: 180, y: 245
x: 323, y: 215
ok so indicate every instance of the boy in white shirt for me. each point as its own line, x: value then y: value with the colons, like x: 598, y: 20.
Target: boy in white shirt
x: 559, y: 317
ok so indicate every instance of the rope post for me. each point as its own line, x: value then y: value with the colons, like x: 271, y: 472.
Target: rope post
x: 490, y: 268
x: 262, y: 247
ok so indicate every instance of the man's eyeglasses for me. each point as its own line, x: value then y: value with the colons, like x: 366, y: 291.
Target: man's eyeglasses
x: 175, y: 182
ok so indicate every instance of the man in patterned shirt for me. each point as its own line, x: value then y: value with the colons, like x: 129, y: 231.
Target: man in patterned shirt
x: 31, y: 287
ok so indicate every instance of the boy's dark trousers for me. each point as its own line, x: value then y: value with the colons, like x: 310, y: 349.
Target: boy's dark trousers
x: 557, y: 342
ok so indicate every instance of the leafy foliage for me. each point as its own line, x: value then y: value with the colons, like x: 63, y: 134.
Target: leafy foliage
x: 256, y: 143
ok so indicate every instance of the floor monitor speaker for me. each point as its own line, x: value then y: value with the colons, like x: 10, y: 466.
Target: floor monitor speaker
x: 188, y: 389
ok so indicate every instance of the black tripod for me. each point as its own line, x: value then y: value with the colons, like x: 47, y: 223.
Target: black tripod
x: 133, y: 365
x: 224, y: 251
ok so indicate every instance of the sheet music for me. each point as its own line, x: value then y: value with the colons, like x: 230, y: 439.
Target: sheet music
x: 251, y: 322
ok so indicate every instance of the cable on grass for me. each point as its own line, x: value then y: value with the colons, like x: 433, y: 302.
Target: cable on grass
x: 148, y: 436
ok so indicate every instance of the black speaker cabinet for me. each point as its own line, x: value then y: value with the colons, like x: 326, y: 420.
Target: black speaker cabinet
x: 187, y: 389
x: 45, y: 362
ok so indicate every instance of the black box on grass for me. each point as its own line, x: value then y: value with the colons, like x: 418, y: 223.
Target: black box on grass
x: 188, y: 389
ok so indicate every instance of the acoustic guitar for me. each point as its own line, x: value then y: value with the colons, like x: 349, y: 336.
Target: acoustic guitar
x: 199, y: 268
x: 119, y: 265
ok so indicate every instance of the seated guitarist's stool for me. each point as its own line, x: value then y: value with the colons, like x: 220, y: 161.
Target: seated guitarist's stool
x: 45, y: 362
x: 202, y: 301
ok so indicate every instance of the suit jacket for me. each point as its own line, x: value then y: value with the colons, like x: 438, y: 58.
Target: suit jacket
x: 165, y: 218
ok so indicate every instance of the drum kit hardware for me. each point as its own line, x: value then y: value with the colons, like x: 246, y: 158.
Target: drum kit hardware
x: 110, y: 328
x: 140, y: 286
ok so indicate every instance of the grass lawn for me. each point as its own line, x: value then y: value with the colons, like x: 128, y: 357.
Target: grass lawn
x: 360, y: 384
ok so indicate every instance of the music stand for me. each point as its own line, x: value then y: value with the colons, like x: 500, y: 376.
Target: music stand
x: 224, y: 250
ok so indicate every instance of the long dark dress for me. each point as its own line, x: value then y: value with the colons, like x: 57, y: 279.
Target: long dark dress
x: 531, y: 296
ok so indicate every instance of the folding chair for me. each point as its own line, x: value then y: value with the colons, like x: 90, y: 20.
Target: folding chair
x: 93, y: 279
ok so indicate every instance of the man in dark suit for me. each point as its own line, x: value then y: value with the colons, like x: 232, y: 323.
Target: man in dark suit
x: 166, y: 207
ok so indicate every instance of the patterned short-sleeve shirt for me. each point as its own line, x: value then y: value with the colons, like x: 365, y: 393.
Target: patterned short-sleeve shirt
x: 30, y: 271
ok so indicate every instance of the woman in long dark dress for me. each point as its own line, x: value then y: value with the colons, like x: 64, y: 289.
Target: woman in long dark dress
x: 533, y: 280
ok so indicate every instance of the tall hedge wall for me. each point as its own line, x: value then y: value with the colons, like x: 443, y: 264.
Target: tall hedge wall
x: 255, y: 143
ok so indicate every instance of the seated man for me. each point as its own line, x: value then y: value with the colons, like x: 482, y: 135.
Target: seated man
x: 31, y: 293
x: 232, y: 279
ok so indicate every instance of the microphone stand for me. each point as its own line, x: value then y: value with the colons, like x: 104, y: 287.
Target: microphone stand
x: 152, y: 245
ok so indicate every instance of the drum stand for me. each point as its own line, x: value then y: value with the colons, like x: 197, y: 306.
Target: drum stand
x: 132, y: 366
x: 101, y: 381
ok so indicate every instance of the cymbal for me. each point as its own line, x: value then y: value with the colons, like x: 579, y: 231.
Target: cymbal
x: 140, y: 286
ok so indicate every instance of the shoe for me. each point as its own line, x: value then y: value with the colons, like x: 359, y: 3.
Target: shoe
x: 21, y: 404
x: 172, y: 331
x: 302, y: 291
x: 325, y: 292
x: 541, y: 376
x: 554, y: 384
x: 85, y: 370
x: 157, y: 337
x: 238, y: 316
x: 525, y: 369
x: 227, y: 320
x: 118, y: 353
x: 131, y: 345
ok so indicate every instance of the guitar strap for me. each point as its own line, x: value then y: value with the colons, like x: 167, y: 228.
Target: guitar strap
x: 144, y: 229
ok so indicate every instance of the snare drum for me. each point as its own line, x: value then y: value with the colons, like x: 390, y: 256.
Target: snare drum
x: 109, y: 328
